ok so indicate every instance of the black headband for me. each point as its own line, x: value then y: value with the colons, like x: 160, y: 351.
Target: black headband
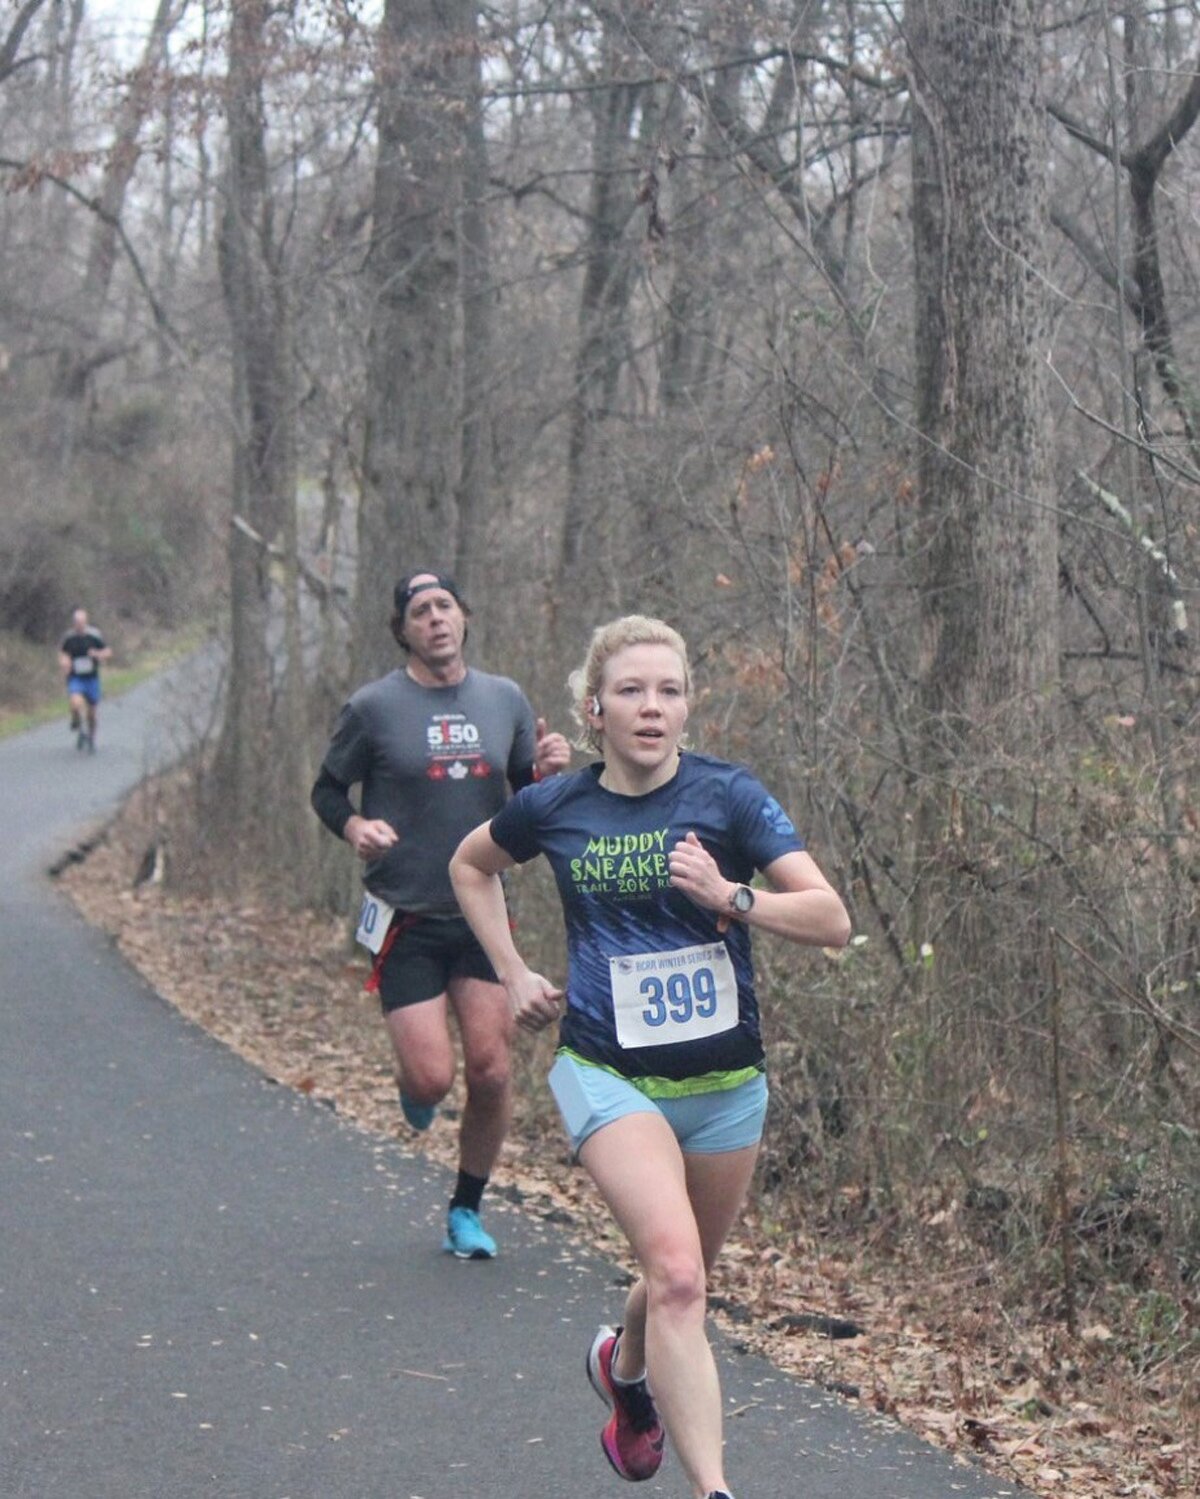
x: 406, y: 590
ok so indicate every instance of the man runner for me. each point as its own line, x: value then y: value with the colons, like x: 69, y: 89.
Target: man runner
x: 432, y: 745
x: 79, y: 655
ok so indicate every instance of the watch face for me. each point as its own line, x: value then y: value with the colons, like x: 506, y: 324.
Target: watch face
x: 743, y: 898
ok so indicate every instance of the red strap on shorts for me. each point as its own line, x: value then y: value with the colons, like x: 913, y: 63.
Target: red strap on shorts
x: 401, y: 922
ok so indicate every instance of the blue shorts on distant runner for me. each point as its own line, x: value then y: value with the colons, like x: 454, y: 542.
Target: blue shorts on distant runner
x: 88, y: 687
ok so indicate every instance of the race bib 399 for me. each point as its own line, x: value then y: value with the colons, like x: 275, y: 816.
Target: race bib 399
x: 660, y: 998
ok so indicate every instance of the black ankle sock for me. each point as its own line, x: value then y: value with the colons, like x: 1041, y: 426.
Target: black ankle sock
x: 468, y: 1192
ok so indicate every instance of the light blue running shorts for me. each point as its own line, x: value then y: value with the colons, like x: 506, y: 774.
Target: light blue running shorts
x: 589, y: 1097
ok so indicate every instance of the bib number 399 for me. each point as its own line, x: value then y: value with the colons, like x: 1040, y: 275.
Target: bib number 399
x: 680, y: 998
x: 684, y: 995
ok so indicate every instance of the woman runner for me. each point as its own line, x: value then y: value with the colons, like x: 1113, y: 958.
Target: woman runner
x: 659, y: 1073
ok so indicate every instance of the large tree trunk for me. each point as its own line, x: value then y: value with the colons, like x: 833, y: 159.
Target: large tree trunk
x: 261, y: 758
x: 604, y: 299
x: 979, y: 201
x: 478, y: 300
x: 988, y: 553
x: 407, y: 513
x: 1146, y: 165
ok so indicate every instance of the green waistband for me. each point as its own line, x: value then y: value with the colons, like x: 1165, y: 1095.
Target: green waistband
x: 672, y: 1087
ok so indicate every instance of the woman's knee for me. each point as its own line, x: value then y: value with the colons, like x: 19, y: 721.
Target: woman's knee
x: 676, y: 1284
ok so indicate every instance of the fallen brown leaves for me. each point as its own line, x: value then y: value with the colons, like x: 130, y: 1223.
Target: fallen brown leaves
x: 938, y: 1351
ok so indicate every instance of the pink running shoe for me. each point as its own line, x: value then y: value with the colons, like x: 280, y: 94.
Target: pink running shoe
x: 633, y: 1437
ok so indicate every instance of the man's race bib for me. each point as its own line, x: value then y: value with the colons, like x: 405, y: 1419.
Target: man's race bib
x: 663, y: 997
x: 82, y: 666
x: 374, y: 918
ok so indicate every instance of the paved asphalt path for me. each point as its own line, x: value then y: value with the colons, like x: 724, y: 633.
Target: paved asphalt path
x: 211, y: 1286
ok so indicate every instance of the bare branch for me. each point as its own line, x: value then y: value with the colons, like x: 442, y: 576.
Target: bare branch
x: 1176, y: 1028
x: 1153, y: 551
x: 35, y: 174
x: 323, y: 590
x: 1149, y: 158
x: 1094, y: 255
x: 695, y: 77
x: 1082, y: 133
x: 16, y: 34
x: 1184, y: 471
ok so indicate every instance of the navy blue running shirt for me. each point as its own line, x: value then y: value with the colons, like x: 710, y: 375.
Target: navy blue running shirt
x: 609, y: 856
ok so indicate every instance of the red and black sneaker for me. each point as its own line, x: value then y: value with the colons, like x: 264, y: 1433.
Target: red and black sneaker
x: 633, y: 1437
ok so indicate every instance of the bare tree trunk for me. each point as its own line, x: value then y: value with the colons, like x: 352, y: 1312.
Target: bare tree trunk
x: 62, y: 31
x: 989, y: 589
x: 604, y: 299
x: 1144, y: 290
x: 245, y: 246
x: 294, y: 839
x: 86, y: 355
x: 1145, y: 168
x: 987, y: 559
x: 407, y: 514
x: 166, y: 242
x: 204, y: 174
x: 1179, y: 916
x: 260, y: 771
x: 477, y: 374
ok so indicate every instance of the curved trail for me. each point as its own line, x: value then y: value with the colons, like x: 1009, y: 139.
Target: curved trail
x: 210, y: 1286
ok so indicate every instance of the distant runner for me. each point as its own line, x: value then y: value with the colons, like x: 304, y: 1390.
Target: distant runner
x: 79, y: 655
x: 435, y: 746
x: 659, y: 1075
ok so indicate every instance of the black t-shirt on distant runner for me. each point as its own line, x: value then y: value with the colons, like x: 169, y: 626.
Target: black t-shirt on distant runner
x: 76, y: 645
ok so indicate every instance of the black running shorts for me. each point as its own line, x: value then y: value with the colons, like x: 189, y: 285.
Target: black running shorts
x: 425, y: 956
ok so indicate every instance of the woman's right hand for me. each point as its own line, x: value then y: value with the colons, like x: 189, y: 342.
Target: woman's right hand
x: 536, y: 1002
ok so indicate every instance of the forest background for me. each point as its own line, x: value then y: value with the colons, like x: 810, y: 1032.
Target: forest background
x: 856, y: 339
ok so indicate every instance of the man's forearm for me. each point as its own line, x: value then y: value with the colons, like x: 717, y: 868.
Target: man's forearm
x: 331, y: 802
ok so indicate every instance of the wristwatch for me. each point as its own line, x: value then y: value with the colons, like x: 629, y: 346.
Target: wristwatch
x: 741, y: 899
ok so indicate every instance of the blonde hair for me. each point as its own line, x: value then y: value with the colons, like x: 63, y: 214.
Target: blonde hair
x: 585, y: 681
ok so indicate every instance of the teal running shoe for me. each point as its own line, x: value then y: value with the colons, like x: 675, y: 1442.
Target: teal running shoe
x: 466, y: 1237
x: 419, y: 1115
